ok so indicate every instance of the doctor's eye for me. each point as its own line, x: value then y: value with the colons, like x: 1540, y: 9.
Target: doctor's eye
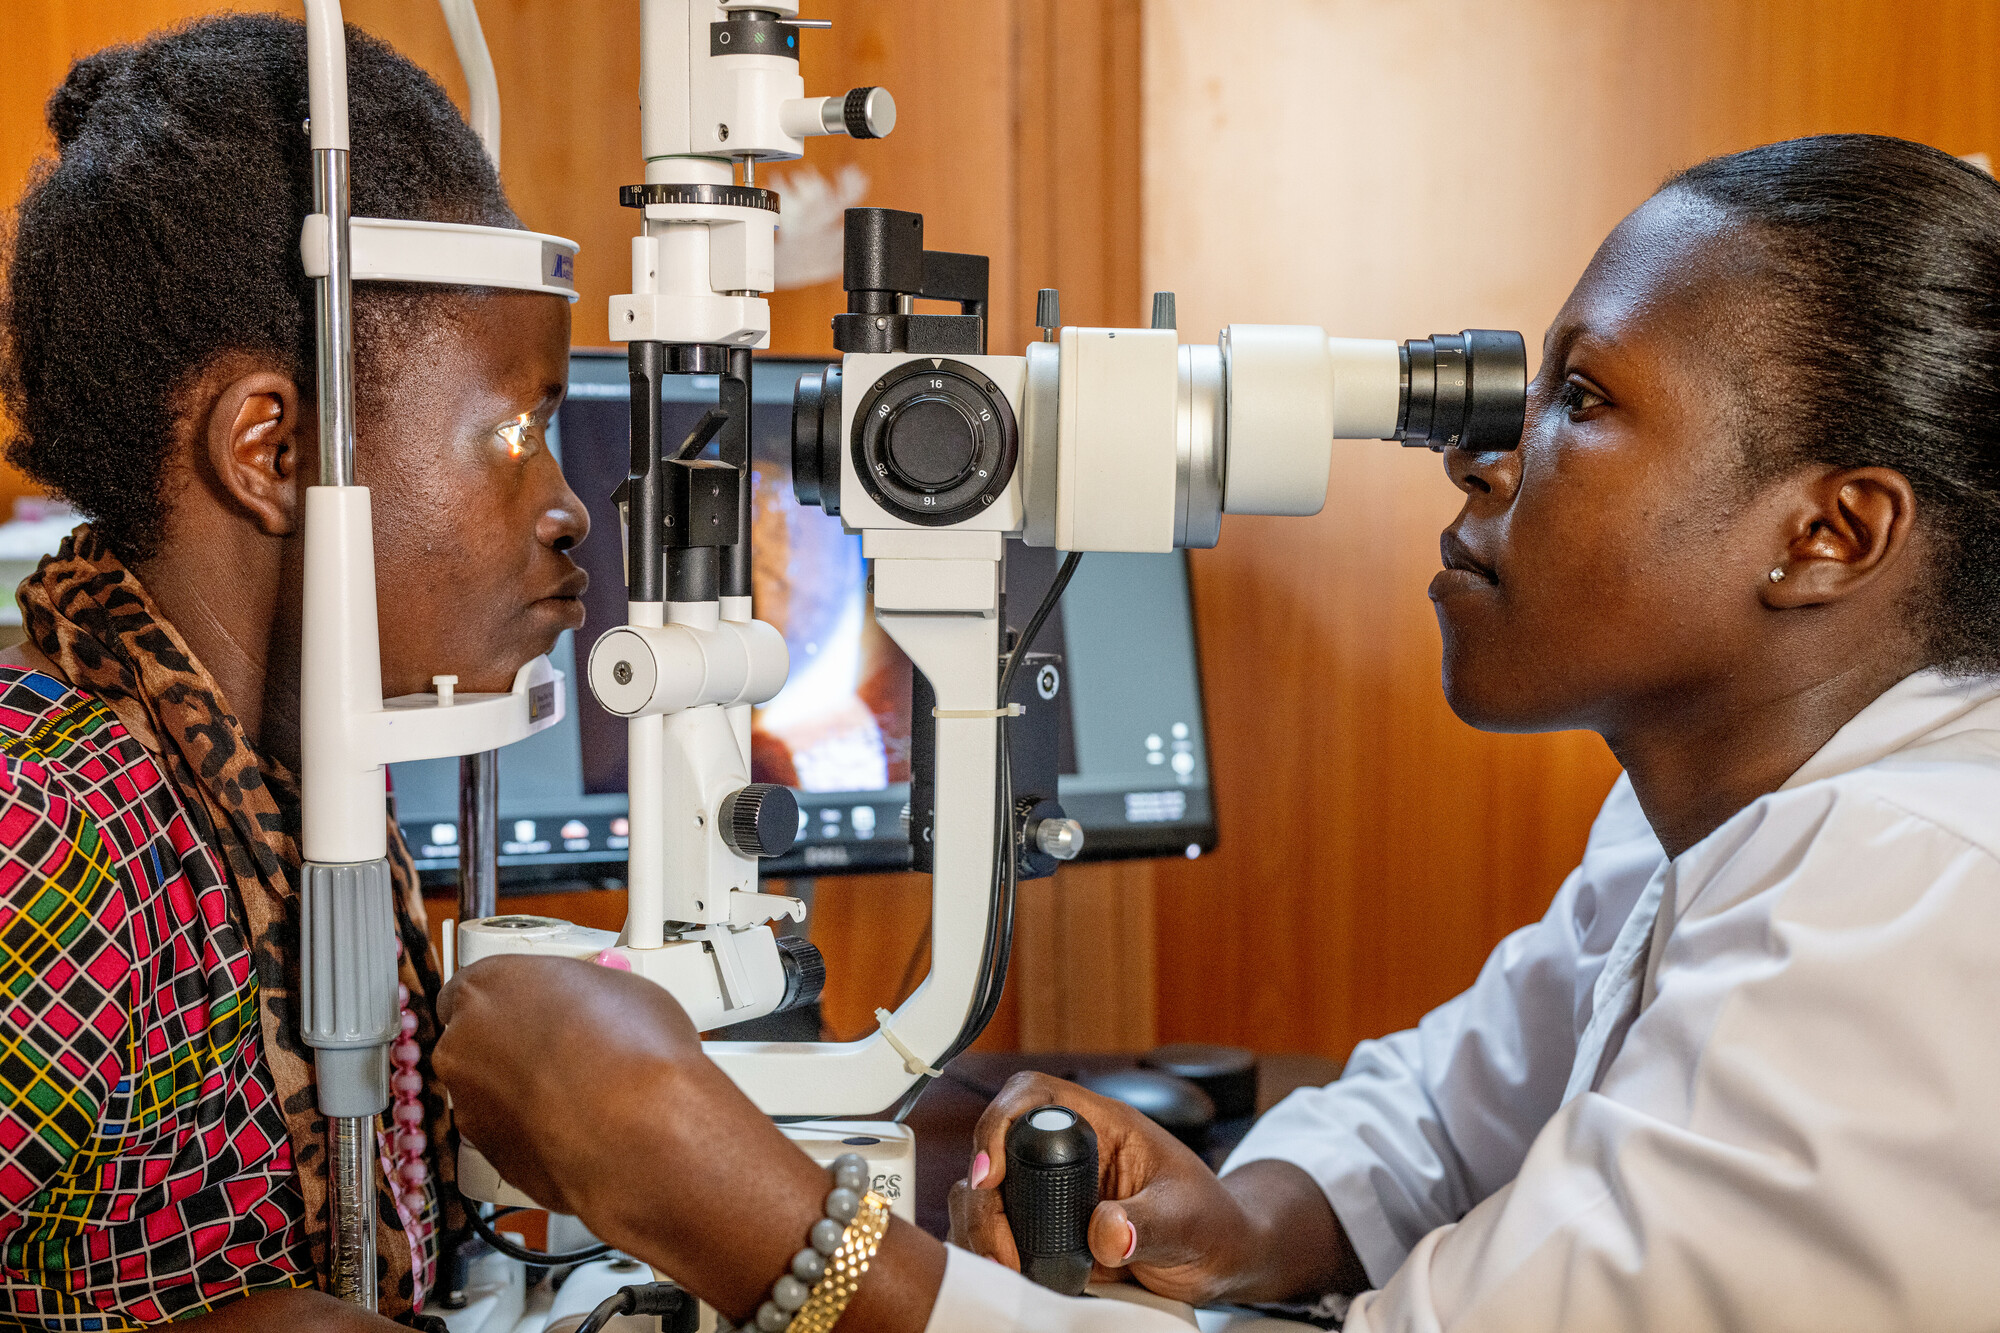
x: 1577, y: 398
x: 521, y: 437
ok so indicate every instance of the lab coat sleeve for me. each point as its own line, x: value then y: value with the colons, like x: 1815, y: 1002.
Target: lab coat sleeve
x: 1424, y: 1124
x: 1799, y: 1130
x: 980, y: 1296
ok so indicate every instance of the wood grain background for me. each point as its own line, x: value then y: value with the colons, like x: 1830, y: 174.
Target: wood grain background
x: 1381, y: 169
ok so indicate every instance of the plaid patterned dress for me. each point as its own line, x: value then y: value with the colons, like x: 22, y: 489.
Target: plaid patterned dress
x: 145, y: 1169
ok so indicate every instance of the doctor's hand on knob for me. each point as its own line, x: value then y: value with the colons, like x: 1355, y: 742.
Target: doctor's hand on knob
x: 1263, y: 1233
x: 587, y: 1088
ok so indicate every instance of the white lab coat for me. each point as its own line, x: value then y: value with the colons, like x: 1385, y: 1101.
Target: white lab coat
x: 1776, y: 1106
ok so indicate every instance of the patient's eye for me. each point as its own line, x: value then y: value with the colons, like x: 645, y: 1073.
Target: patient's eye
x: 521, y: 436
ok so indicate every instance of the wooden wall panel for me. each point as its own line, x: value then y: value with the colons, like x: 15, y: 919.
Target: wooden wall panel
x: 1390, y: 171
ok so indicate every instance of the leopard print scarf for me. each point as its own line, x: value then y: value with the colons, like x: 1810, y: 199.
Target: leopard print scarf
x: 91, y: 617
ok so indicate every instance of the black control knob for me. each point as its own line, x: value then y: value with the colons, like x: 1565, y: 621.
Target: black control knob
x: 935, y: 441
x: 1049, y: 1192
x: 761, y: 819
x: 931, y: 442
x: 805, y: 972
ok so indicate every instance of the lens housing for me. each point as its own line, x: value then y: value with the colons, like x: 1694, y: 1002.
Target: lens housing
x: 1464, y: 390
x: 816, y: 440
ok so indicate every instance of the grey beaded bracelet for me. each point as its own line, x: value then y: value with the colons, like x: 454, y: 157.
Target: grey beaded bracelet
x: 843, y: 1201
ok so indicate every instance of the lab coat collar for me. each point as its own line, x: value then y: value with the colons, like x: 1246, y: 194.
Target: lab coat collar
x: 1921, y: 706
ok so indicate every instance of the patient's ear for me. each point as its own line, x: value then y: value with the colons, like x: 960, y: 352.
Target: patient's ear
x: 253, y: 440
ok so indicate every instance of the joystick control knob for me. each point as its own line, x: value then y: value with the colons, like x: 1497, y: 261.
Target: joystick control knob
x: 1049, y: 1192
x: 761, y: 819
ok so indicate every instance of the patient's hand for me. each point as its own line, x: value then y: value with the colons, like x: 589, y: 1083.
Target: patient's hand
x: 588, y: 1089
x: 1265, y: 1233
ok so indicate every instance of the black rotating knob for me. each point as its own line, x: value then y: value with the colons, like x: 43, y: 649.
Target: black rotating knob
x: 1049, y: 1192
x: 932, y: 442
x: 935, y: 441
x: 761, y: 819
x: 805, y: 972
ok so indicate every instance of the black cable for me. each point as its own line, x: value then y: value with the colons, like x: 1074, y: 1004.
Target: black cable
x: 997, y: 953
x: 640, y: 1298
x: 1000, y: 950
x: 1035, y: 621
x: 484, y: 1228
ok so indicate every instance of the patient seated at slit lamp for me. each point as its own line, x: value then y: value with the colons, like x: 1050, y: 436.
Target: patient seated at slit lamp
x: 1736, y: 1075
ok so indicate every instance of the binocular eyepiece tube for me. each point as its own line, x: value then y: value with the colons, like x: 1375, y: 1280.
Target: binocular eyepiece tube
x: 1260, y: 409
x: 1254, y: 417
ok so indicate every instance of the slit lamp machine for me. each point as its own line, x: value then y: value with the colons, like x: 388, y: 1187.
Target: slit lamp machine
x: 934, y: 450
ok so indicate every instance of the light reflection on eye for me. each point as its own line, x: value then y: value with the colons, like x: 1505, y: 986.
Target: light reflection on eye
x: 518, y: 435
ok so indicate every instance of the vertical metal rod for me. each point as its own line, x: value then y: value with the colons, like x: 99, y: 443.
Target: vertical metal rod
x: 352, y: 1199
x: 352, y: 1183
x: 479, y: 836
x: 733, y: 447
x: 334, y: 299
x: 643, y: 492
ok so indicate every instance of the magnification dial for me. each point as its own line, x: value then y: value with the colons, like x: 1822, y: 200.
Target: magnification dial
x: 935, y: 441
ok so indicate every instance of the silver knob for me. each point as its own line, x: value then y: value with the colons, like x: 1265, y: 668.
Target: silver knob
x: 1048, y: 312
x: 1060, y: 838
x: 868, y: 113
x: 1163, y: 310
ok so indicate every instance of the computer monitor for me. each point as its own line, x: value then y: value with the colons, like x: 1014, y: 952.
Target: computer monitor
x: 1134, y: 767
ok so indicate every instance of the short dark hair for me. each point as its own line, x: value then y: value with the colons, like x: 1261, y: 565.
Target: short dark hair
x: 1881, y: 319
x: 165, y: 232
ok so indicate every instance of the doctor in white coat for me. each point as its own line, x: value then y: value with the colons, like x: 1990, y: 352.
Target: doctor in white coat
x: 1741, y: 1074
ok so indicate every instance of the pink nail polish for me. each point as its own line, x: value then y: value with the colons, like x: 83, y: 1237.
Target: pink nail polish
x: 980, y: 1166
x: 1131, y: 1241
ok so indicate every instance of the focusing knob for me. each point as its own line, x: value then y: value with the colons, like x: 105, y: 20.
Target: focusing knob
x: 934, y: 441
x: 761, y: 819
x: 1464, y: 390
x: 869, y: 113
x: 805, y: 971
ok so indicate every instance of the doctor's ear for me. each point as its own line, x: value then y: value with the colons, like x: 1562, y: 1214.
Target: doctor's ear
x: 1848, y: 528
x: 253, y: 436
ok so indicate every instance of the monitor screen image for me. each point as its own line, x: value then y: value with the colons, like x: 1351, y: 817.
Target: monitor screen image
x: 1132, y: 756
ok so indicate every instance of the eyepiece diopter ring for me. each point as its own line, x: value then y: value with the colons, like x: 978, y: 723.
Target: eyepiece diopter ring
x: 1464, y: 390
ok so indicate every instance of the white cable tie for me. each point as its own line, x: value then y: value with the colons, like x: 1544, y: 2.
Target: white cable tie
x: 1011, y: 710
x: 913, y: 1064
